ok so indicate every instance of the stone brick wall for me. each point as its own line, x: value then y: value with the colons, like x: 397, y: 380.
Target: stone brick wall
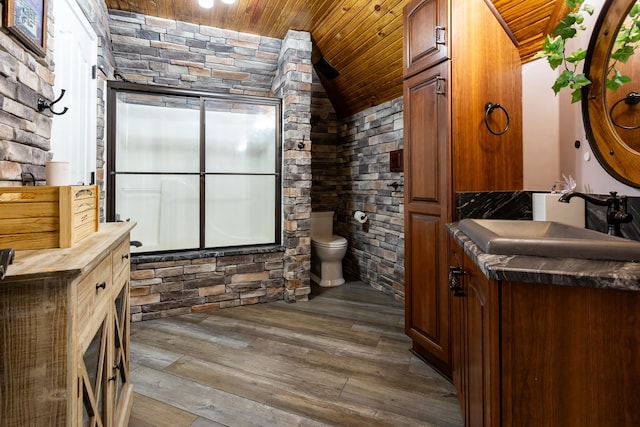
x: 376, y: 253
x: 161, y: 287
x: 293, y: 83
x: 151, y: 50
x: 324, y: 166
x: 25, y: 133
x: 353, y: 174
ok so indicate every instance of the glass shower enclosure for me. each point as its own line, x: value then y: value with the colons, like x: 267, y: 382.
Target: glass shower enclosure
x: 194, y: 170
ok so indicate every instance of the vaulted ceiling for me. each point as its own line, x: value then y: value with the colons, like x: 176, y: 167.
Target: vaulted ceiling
x: 361, y: 39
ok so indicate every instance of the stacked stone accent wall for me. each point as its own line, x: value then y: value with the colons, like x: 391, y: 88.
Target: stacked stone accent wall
x: 353, y: 174
x: 151, y: 50
x: 293, y: 83
x: 161, y: 288
x: 376, y: 253
x: 25, y: 133
x: 324, y: 166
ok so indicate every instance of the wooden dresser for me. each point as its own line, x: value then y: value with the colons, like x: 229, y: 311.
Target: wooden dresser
x: 64, y: 334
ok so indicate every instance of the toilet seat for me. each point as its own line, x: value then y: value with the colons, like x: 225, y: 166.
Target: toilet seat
x: 332, y: 241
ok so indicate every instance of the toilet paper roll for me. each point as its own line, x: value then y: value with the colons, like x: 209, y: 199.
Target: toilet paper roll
x: 360, y: 216
x: 57, y: 173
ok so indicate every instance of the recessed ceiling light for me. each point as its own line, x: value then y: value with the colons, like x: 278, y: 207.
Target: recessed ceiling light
x: 207, y: 4
x: 229, y: 1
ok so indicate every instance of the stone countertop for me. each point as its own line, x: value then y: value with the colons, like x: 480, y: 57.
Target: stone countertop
x: 556, y: 271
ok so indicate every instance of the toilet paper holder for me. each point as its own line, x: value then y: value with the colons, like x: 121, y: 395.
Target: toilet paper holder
x: 360, y: 217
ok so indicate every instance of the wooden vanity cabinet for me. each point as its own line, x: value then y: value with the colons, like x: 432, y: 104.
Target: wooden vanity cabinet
x: 534, y: 354
x: 65, y: 334
x: 448, y: 148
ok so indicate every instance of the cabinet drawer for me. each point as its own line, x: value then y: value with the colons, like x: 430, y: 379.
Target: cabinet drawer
x: 120, y: 259
x: 94, y: 294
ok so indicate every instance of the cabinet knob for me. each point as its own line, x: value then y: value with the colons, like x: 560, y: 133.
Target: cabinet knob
x: 454, y: 280
x: 125, y: 256
x: 102, y: 285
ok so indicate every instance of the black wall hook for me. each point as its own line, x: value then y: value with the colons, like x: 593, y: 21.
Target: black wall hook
x: 44, y: 104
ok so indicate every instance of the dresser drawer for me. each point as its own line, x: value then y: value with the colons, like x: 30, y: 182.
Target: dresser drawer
x: 120, y: 258
x: 94, y: 296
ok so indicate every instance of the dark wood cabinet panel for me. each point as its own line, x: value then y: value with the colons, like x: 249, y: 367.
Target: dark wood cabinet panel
x: 481, y: 334
x: 425, y: 34
x: 458, y: 323
x: 448, y: 148
x: 425, y: 100
x: 427, y: 209
x: 534, y: 354
x: 429, y: 299
x: 570, y: 355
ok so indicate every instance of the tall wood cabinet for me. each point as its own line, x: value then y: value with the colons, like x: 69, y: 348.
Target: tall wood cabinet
x: 65, y: 334
x: 457, y: 59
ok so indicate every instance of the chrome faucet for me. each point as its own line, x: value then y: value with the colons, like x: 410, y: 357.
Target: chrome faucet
x: 616, y: 208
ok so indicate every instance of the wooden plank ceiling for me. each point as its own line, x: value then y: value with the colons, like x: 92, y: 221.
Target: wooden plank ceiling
x: 361, y: 39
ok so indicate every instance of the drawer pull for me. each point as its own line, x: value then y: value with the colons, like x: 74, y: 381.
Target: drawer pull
x: 125, y: 256
x: 102, y: 285
x: 454, y: 281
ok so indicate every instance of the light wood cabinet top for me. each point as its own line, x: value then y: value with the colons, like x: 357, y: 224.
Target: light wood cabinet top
x: 69, y: 262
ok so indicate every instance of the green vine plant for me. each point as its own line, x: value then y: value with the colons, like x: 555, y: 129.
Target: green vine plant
x: 627, y: 41
x: 554, y: 50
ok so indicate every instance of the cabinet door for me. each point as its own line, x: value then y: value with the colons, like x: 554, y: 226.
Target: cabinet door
x: 120, y: 394
x: 427, y: 209
x: 93, y: 378
x: 426, y: 151
x: 457, y: 286
x: 425, y: 35
x: 482, y: 335
x: 120, y: 375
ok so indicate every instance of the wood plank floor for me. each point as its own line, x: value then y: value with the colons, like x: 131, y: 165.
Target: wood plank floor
x: 340, y: 359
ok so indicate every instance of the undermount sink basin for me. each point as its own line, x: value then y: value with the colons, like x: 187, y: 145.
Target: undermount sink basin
x: 547, y: 239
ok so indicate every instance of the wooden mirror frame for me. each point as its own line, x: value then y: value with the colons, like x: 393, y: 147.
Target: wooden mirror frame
x: 615, y: 156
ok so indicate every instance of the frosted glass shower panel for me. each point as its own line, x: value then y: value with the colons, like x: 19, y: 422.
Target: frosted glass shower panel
x: 240, y: 138
x: 240, y: 210
x: 165, y: 208
x: 157, y: 133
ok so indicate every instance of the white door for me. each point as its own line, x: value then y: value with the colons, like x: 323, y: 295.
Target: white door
x: 73, y: 135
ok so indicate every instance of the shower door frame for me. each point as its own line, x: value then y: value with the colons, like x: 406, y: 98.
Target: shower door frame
x: 115, y: 87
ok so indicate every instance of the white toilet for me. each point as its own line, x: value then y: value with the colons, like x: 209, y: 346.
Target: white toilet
x: 327, y: 250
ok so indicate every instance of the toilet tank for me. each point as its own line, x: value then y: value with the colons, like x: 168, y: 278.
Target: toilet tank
x: 322, y: 223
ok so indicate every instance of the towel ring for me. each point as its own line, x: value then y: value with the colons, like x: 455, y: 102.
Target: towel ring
x: 488, y: 109
x: 633, y: 98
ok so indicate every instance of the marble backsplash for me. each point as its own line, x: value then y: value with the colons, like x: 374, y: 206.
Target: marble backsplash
x: 519, y: 205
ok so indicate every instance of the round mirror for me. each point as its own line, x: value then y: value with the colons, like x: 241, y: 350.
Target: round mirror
x: 610, y: 117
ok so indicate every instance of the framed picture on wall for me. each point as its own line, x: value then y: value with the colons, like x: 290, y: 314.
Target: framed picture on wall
x: 27, y: 20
